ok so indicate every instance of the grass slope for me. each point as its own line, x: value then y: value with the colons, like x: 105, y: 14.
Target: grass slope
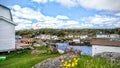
x: 23, y: 60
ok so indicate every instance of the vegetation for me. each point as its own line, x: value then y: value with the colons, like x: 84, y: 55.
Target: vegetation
x: 63, y: 32
x: 94, y: 62
x: 24, y: 59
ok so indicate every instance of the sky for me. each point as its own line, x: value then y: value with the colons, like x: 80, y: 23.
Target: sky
x: 64, y: 14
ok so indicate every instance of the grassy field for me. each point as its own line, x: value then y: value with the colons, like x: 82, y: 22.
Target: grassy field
x: 27, y: 60
x: 24, y: 60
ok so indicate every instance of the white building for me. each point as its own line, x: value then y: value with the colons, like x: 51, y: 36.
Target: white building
x: 46, y: 37
x: 114, y: 36
x: 76, y: 40
x: 70, y: 36
x: 7, y: 30
x: 54, y: 37
x: 83, y: 36
x: 102, y: 45
x: 102, y: 36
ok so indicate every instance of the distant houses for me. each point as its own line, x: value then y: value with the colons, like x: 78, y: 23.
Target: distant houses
x: 105, y: 45
x: 47, y: 37
x: 23, y: 42
x: 7, y: 30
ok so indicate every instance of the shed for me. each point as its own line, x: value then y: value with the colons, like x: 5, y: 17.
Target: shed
x: 7, y: 30
x: 105, y: 45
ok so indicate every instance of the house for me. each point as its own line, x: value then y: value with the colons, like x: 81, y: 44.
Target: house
x: 76, y: 40
x: 105, y: 45
x: 114, y: 36
x: 102, y: 35
x: 7, y: 30
x: 54, y: 37
x: 43, y: 37
x: 70, y: 36
x: 25, y: 42
x: 83, y: 36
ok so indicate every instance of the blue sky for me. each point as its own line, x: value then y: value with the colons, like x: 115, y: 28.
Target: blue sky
x: 64, y: 13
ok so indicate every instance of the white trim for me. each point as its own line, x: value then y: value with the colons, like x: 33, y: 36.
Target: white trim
x: 1, y: 17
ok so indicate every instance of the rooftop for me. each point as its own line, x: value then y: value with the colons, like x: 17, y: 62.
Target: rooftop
x: 105, y: 42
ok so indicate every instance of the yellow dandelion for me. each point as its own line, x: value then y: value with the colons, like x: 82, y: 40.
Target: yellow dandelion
x: 69, y: 60
x: 73, y: 65
x: 62, y: 60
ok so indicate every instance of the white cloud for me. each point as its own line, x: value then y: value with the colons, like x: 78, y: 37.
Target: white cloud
x: 24, y: 17
x: 40, y: 1
x: 68, y: 3
x: 101, y: 20
x: 61, y: 17
x: 112, y: 5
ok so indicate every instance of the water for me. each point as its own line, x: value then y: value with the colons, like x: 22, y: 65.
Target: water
x: 86, y: 50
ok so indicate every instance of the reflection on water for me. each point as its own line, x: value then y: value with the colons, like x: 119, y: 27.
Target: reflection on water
x: 86, y: 50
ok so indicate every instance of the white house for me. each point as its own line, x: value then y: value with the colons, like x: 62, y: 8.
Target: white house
x: 76, y: 40
x: 54, y: 37
x: 47, y: 37
x: 114, y: 36
x: 104, y: 45
x: 83, y: 36
x: 102, y: 35
x: 7, y: 30
x: 70, y: 36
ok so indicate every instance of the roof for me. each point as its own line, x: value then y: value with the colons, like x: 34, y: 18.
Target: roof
x: 105, y: 42
x: 3, y: 18
x: 28, y: 39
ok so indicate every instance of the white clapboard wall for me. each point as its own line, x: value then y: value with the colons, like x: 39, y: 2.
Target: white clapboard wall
x: 7, y: 30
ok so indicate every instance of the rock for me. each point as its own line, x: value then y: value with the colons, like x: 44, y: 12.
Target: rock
x: 53, y: 48
x: 49, y: 63
x: 31, y: 48
x: 53, y: 62
x: 72, y: 51
x: 39, y: 51
x: 109, y: 55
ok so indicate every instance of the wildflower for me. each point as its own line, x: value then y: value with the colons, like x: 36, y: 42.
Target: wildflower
x: 62, y: 60
x: 69, y: 60
x: 73, y: 64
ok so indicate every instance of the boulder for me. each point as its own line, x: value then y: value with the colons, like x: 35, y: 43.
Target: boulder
x: 31, y: 48
x: 109, y: 55
x: 53, y: 48
x: 70, y: 50
x: 53, y: 62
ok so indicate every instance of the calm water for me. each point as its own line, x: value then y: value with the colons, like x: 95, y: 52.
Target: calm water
x: 86, y: 50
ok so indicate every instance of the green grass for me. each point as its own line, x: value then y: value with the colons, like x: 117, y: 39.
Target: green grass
x: 94, y: 62
x: 24, y: 60
x: 42, y: 47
